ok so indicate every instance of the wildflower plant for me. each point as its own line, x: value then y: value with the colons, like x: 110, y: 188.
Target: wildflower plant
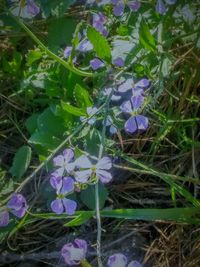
x: 93, y: 92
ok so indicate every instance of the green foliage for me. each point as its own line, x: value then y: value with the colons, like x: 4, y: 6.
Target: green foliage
x: 100, y: 44
x: 146, y: 38
x: 82, y: 96
x: 55, y: 8
x: 21, y: 162
x: 88, y: 196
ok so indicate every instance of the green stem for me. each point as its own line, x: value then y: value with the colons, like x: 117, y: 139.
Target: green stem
x: 67, y: 65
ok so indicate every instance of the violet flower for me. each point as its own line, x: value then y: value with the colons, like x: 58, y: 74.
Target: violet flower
x: 64, y: 162
x: 160, y: 7
x: 114, y: 97
x: 89, y: 170
x: 17, y: 205
x: 98, y: 21
x: 119, y: 6
x: 120, y: 260
x: 119, y: 62
x: 63, y: 187
x: 90, y: 112
x: 32, y: 8
x: 74, y: 253
x: 130, y: 84
x: 67, y: 51
x: 96, y: 64
x: 109, y: 122
x: 4, y: 218
x: 29, y: 10
x: 135, y: 122
x: 84, y: 46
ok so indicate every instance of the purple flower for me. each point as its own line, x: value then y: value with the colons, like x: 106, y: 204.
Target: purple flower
x: 120, y: 260
x: 160, y: 7
x: 90, y: 112
x: 130, y: 84
x: 28, y: 10
x: 17, y: 205
x: 84, y: 46
x: 63, y: 187
x: 119, y: 6
x: 67, y: 51
x: 64, y: 162
x: 98, y: 23
x: 119, y: 62
x: 32, y: 8
x: 4, y: 218
x: 74, y: 253
x: 114, y: 97
x: 109, y: 122
x: 96, y: 64
x: 135, y: 122
x: 89, y: 170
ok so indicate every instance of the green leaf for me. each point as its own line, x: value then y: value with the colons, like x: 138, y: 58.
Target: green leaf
x: 186, y: 215
x: 73, y: 110
x: 146, y: 38
x: 82, y: 96
x: 44, y: 139
x: 21, y: 161
x: 56, y: 7
x: 32, y: 56
x: 31, y: 123
x: 51, y: 124
x: 100, y: 44
x: 88, y: 196
x: 60, y: 33
x: 80, y: 219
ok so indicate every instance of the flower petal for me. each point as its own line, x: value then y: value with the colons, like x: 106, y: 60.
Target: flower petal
x: 72, y: 255
x: 127, y: 85
x: 70, y: 206
x: 113, y: 129
x: 130, y: 125
x: 67, y: 185
x: 82, y: 176
x: 118, y: 9
x: 137, y: 101
x: 4, y: 218
x: 160, y: 7
x: 104, y: 164
x: 84, y: 46
x: 58, y: 161
x: 81, y: 244
x: 16, y: 202
x: 68, y: 154
x: 32, y: 8
x: 134, y: 5
x: 19, y: 213
x: 134, y: 264
x: 67, y: 52
x: 83, y: 162
x: 142, y: 122
x: 126, y: 107
x: 119, y: 62
x: 96, y: 64
x: 56, y: 183
x: 57, y: 206
x: 104, y: 176
x: 117, y: 260
x: 142, y: 83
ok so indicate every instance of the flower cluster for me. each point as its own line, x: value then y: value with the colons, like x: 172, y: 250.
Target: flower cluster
x: 75, y: 253
x: 71, y: 173
x: 16, y: 205
x: 120, y: 260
